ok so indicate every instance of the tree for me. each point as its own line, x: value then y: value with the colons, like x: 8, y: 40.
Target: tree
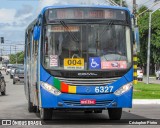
x: 20, y: 58
x: 155, y: 39
x: 143, y: 30
x: 119, y: 1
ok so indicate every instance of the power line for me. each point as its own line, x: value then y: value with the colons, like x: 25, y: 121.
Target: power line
x: 112, y: 2
x: 25, y: 0
x: 144, y: 2
x: 154, y: 4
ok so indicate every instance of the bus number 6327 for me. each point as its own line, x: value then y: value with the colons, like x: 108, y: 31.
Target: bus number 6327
x: 103, y: 89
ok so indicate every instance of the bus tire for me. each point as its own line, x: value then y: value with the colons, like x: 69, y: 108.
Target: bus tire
x: 4, y: 92
x: 115, y: 113
x: 46, y: 114
x: 88, y: 111
x: 31, y: 108
x: 3, y: 87
x: 97, y: 111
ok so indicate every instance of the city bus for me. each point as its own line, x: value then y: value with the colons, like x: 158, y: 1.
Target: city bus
x: 79, y: 58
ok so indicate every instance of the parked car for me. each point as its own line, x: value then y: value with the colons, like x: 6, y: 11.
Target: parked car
x: 8, y: 69
x: 139, y: 74
x: 2, y: 85
x: 15, y: 66
x: 18, y: 75
x: 12, y: 71
x: 158, y: 74
x: 3, y: 67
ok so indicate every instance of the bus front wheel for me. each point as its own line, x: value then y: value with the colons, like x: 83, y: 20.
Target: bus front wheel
x: 115, y: 113
x: 46, y: 114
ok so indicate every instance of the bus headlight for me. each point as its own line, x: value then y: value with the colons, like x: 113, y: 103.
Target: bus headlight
x: 50, y: 88
x: 123, y: 89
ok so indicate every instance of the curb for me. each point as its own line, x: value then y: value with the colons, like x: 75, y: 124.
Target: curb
x: 146, y: 101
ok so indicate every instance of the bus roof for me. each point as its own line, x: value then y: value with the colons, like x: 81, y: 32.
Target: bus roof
x: 77, y: 6
x: 87, y: 6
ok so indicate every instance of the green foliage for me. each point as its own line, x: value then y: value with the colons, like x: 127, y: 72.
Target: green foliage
x: 143, y: 23
x: 123, y: 2
x: 143, y: 30
x: 20, y: 58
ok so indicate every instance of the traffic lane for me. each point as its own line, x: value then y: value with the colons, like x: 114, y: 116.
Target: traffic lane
x: 14, y: 106
x: 138, y: 112
x: 151, y: 111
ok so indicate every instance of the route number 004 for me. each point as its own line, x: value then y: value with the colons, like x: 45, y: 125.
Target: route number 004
x: 74, y: 62
x: 103, y: 89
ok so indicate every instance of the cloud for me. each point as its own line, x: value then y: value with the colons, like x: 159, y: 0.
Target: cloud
x: 7, y: 15
x: 15, y: 18
x: 14, y: 22
x: 26, y: 9
x: 44, y: 3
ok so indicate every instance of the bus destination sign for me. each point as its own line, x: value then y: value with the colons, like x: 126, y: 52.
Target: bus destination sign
x: 86, y: 13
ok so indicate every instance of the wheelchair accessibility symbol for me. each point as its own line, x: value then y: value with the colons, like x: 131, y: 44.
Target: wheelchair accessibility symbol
x: 94, y: 63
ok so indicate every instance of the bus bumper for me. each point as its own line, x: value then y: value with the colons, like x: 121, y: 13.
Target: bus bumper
x: 72, y: 101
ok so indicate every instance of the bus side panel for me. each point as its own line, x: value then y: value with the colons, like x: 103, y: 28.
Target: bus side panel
x: 43, y: 74
x: 25, y: 67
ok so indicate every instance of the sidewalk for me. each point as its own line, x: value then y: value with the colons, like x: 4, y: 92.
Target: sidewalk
x: 146, y: 101
x: 151, y: 80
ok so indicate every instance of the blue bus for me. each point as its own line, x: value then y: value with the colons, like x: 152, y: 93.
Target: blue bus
x: 79, y: 58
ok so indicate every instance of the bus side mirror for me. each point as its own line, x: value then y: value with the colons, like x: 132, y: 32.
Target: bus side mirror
x: 36, y: 33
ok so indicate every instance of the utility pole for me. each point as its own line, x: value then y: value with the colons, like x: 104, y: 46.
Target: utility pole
x: 10, y: 49
x: 135, y: 11
x: 121, y: 3
x: 134, y: 6
x: 135, y: 44
x: 149, y: 43
x: 148, y: 51
x: 16, y: 53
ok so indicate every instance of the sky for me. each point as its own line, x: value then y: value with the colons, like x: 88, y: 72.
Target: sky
x: 16, y: 15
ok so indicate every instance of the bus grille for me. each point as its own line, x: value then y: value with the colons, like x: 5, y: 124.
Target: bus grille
x: 77, y: 103
x: 90, y: 81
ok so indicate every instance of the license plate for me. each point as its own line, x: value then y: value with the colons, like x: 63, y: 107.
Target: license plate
x: 87, y: 102
x: 74, y: 63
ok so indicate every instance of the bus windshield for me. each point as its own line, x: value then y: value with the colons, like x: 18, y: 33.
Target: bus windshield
x: 87, y: 46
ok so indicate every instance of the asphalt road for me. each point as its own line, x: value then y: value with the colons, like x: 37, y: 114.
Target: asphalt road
x: 14, y: 106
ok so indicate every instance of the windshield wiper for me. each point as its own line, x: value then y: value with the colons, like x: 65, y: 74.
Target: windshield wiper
x: 69, y: 32
x: 105, y: 29
x: 100, y: 35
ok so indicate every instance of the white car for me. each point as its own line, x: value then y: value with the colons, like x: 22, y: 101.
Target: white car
x: 8, y: 71
x: 158, y: 74
x: 139, y: 74
x: 3, y: 67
